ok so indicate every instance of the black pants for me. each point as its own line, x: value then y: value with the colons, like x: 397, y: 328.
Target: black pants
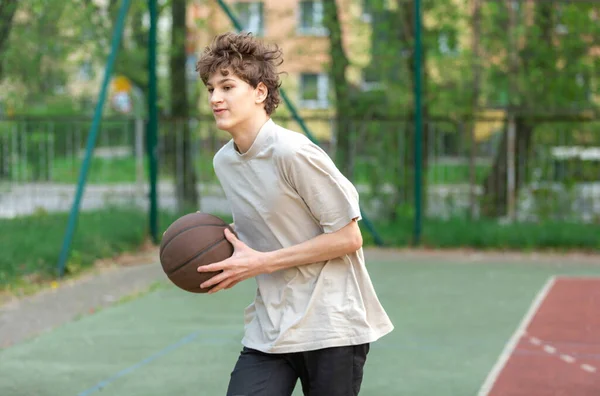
x: 325, y: 372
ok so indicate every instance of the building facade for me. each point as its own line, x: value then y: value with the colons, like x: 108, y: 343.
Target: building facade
x: 297, y: 27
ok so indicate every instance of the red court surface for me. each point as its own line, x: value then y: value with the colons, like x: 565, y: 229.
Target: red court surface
x: 556, y: 351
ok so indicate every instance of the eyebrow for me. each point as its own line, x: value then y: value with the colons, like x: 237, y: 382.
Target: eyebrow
x: 222, y: 81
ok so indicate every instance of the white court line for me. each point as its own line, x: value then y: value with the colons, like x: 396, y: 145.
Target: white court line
x: 514, y: 340
x: 588, y: 368
x: 549, y: 348
x: 567, y: 358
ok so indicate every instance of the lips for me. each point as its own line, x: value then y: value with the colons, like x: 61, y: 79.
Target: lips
x: 219, y: 111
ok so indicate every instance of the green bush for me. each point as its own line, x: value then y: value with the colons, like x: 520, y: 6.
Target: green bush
x: 32, y: 244
x: 490, y: 234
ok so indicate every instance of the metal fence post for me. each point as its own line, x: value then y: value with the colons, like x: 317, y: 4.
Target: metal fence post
x: 472, y: 166
x: 418, y: 127
x: 152, y: 129
x: 92, y: 137
x: 510, y: 166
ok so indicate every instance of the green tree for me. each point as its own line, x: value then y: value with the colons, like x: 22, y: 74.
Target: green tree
x: 541, y: 63
x: 445, y: 72
x: 133, y: 53
x: 545, y: 67
x: 7, y: 12
x: 338, y: 69
x: 50, y: 45
x: 187, y: 194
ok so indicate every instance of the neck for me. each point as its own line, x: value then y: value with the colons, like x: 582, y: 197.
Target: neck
x: 245, y: 134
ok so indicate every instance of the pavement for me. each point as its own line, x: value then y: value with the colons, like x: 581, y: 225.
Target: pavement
x: 20, y: 199
x: 25, y: 198
x: 24, y: 318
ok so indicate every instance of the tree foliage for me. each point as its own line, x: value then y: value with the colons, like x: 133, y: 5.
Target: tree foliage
x: 52, y: 46
x: 545, y: 62
x: 48, y: 44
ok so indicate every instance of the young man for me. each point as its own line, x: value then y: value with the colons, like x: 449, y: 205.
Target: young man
x: 315, y: 311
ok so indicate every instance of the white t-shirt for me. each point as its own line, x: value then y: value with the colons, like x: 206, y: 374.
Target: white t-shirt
x: 284, y: 191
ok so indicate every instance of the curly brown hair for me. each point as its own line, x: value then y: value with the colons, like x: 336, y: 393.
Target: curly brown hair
x: 248, y: 58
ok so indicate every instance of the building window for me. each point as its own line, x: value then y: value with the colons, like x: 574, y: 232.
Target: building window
x: 251, y: 17
x: 314, y: 90
x: 447, y: 44
x: 367, y: 11
x: 371, y: 79
x: 311, y: 18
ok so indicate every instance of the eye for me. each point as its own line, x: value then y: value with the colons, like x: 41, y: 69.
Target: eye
x: 210, y: 90
x: 227, y: 88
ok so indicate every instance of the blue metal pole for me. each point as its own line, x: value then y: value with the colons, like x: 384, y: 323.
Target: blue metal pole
x: 418, y: 126
x: 92, y: 137
x: 152, y: 127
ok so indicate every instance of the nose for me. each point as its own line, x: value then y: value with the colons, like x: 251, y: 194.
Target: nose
x: 215, y: 98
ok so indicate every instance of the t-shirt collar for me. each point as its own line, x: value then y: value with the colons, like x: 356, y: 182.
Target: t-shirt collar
x: 259, y: 141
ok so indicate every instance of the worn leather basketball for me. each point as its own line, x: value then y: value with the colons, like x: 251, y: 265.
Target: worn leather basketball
x: 194, y: 240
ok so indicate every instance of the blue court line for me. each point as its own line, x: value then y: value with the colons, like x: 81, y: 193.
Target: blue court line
x: 102, y: 384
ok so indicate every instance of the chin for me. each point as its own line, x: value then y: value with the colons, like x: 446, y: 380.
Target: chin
x: 225, y: 125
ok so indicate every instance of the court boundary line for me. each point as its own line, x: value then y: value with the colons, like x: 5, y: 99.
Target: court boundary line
x: 169, y: 348
x: 510, y: 346
x: 104, y: 383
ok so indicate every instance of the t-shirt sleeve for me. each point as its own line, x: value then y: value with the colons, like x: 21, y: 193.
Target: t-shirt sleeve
x: 331, y: 197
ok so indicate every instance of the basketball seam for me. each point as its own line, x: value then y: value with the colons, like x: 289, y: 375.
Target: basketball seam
x: 191, y: 228
x: 193, y: 254
x: 196, y: 255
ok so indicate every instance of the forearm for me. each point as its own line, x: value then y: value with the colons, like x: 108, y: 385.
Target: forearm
x: 321, y: 248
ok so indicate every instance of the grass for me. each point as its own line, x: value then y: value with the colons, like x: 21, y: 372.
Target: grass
x: 437, y: 173
x: 123, y: 170
x: 490, y: 234
x: 118, y: 170
x: 102, y: 171
x: 455, y: 173
x: 31, y: 245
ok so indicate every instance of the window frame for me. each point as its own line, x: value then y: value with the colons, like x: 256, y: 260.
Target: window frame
x: 322, y: 101
x: 256, y: 9
x: 317, y: 28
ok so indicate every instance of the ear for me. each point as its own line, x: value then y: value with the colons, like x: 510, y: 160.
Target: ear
x: 261, y: 92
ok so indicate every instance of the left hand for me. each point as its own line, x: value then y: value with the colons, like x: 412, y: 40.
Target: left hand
x: 243, y: 264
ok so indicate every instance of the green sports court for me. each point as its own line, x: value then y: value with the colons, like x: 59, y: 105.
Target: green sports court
x: 454, y: 314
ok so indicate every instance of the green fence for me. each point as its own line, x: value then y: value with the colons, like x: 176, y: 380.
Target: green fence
x: 554, y: 201
x: 466, y: 171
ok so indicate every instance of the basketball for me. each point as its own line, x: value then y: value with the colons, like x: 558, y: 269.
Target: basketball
x: 191, y: 241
